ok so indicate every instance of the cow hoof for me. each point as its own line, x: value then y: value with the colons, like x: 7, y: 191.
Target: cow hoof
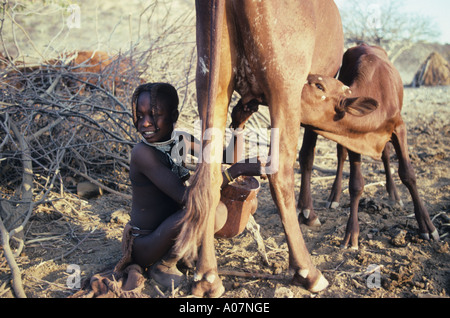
x: 312, y: 282
x: 434, y: 235
x: 209, y: 285
x: 315, y: 223
x: 332, y: 205
x: 320, y: 285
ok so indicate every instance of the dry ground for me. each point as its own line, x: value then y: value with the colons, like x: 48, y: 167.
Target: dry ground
x: 87, y: 233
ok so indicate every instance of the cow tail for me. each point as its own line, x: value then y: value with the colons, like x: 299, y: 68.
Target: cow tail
x: 200, y: 200
x: 193, y: 225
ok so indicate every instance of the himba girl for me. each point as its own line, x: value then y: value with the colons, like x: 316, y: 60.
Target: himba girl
x: 159, y: 183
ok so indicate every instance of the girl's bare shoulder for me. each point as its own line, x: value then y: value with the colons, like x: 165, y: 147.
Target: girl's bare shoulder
x: 144, y: 154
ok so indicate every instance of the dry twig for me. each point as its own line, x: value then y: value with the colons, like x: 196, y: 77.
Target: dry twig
x: 250, y: 275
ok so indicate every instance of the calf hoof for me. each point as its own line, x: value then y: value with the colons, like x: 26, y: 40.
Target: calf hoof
x: 332, y: 205
x: 312, y: 280
x: 353, y: 248
x: 308, y: 218
x: 434, y: 235
x: 209, y: 285
x: 396, y: 204
x: 352, y: 240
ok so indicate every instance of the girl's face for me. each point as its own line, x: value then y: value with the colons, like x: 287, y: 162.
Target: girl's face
x: 155, y: 123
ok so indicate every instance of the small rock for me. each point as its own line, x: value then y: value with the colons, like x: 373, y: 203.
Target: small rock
x: 88, y: 190
x: 277, y: 268
x: 419, y: 285
x: 120, y: 216
x: 243, y: 293
x: 399, y: 239
x: 283, y: 292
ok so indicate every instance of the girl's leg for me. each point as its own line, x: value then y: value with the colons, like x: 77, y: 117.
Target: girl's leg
x: 156, y: 248
x: 150, y: 248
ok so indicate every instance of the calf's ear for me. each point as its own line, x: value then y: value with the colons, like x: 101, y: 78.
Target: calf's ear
x: 360, y: 106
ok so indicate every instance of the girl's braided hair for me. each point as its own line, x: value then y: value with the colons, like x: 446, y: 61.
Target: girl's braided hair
x: 165, y: 92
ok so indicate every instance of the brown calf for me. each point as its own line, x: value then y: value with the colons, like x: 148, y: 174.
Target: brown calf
x: 368, y: 72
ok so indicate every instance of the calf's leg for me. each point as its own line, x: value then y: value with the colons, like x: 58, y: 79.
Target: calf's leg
x: 408, y: 177
x: 391, y: 189
x: 305, y: 209
x: 336, y: 189
x: 356, y: 187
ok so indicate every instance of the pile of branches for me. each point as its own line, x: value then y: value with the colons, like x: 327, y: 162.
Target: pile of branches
x: 60, y: 124
x: 64, y: 121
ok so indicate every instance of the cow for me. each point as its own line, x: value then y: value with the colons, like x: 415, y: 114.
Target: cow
x: 264, y: 50
x: 91, y: 64
x: 368, y: 72
x: 3, y: 61
x: 94, y: 68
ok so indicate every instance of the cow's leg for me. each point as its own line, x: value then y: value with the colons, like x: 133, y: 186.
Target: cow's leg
x: 282, y: 189
x: 305, y: 209
x: 206, y: 279
x: 214, y: 88
x: 281, y: 70
x: 336, y: 189
x: 391, y: 189
x: 408, y: 177
x: 356, y: 187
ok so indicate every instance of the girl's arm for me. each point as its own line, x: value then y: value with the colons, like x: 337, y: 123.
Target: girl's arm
x: 147, y: 162
x: 234, y: 151
x: 250, y: 167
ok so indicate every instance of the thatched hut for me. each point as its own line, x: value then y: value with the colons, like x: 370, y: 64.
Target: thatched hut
x: 433, y: 72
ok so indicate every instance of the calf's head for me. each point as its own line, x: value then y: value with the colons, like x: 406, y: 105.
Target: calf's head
x: 326, y: 100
